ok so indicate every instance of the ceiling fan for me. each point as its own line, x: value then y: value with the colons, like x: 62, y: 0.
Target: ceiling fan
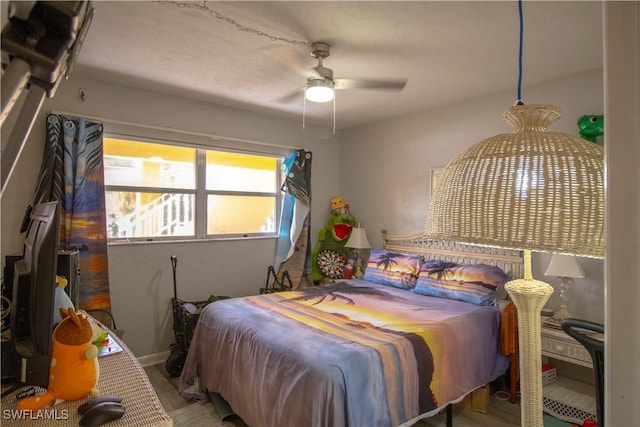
x: 321, y: 85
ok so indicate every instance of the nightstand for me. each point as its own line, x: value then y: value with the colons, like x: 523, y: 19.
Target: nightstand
x: 567, y: 399
x: 558, y: 345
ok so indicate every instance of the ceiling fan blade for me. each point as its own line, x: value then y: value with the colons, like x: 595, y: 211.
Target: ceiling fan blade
x: 341, y: 84
x: 295, y: 95
x: 291, y: 59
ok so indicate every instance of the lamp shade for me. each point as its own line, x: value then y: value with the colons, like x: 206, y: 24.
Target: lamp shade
x: 319, y: 90
x: 564, y: 266
x: 531, y: 189
x: 358, y: 239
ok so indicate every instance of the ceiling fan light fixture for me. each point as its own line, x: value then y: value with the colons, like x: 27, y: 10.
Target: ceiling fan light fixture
x: 319, y: 90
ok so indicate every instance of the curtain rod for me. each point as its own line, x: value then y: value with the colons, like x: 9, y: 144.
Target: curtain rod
x: 168, y: 129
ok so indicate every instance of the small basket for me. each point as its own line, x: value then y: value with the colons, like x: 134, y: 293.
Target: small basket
x: 548, y: 374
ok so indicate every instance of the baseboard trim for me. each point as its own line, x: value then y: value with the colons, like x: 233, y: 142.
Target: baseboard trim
x: 153, y: 359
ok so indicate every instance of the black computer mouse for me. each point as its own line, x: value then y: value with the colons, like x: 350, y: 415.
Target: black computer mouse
x: 102, y: 413
x: 82, y: 409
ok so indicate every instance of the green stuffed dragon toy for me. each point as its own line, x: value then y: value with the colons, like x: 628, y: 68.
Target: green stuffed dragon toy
x: 330, y: 255
x: 591, y: 126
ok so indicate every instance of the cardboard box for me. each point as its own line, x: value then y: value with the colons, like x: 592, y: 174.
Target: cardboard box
x: 480, y: 399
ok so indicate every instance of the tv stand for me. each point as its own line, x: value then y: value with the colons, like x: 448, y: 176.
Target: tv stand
x: 35, y: 366
x: 8, y: 368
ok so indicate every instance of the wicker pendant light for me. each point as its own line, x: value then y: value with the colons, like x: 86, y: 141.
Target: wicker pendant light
x: 532, y: 189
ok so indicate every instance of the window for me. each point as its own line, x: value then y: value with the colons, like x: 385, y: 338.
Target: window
x: 158, y: 191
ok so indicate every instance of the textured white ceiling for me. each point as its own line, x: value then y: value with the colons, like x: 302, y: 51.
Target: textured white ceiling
x: 449, y: 51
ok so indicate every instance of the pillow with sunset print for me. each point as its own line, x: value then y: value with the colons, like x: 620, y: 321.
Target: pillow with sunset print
x: 393, y: 269
x: 475, y: 283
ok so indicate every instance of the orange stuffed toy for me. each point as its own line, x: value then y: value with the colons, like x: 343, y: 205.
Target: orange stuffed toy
x: 74, y: 365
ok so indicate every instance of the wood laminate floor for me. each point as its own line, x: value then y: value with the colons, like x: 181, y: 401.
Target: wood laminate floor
x: 192, y: 414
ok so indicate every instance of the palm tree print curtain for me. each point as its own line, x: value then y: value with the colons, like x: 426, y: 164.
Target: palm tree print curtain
x: 72, y: 172
x: 293, y: 251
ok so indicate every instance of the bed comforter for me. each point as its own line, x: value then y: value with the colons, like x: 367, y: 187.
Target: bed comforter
x: 347, y: 354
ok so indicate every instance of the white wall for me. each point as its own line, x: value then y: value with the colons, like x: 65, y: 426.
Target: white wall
x: 140, y: 274
x: 385, y: 167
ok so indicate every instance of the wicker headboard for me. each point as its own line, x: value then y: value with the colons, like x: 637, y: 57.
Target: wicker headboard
x: 509, y: 260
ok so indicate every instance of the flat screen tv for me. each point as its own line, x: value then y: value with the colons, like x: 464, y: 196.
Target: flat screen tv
x: 34, y: 284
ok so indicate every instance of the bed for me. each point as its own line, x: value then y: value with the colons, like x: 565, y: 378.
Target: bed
x: 370, y: 352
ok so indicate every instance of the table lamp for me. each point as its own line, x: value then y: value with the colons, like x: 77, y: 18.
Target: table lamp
x: 358, y: 241
x: 565, y: 268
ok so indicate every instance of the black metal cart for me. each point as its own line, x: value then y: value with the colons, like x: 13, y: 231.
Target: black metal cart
x: 185, y: 319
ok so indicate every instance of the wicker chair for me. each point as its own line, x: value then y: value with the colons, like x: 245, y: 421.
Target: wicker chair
x: 579, y: 329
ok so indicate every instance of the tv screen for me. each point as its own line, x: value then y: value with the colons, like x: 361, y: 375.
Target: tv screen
x: 33, y: 295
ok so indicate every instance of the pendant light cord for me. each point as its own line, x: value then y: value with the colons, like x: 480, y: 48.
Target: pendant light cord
x: 519, y: 93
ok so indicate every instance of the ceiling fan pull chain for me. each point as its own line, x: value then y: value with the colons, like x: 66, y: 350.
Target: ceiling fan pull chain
x: 334, y: 114
x: 304, y: 109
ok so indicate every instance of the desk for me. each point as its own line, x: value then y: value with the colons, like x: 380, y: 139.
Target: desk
x: 120, y: 375
x: 567, y: 399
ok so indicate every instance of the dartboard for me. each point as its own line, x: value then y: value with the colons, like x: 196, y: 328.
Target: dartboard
x: 331, y: 263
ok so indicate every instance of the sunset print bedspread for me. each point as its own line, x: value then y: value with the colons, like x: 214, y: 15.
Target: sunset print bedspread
x: 347, y: 354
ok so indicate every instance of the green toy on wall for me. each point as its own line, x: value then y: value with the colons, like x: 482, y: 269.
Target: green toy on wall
x: 330, y: 255
x: 591, y: 126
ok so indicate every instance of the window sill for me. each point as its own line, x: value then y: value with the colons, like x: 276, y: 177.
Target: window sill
x: 151, y: 241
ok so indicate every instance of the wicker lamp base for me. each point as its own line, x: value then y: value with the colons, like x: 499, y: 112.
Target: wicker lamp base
x: 529, y: 297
